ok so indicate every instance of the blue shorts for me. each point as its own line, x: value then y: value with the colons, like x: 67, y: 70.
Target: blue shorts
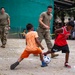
x: 64, y: 49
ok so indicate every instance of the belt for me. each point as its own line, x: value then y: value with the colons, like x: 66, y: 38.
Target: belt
x: 42, y: 27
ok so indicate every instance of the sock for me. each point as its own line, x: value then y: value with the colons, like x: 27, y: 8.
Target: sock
x: 43, y: 63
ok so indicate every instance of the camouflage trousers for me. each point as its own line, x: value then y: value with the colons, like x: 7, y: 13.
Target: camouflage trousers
x: 45, y: 34
x: 3, y: 34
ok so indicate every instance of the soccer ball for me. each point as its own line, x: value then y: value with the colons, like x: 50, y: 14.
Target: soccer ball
x: 47, y: 59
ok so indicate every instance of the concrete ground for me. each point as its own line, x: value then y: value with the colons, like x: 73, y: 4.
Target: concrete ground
x: 31, y: 65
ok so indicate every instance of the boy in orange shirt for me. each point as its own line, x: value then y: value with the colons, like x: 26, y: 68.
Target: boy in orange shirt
x: 32, y: 47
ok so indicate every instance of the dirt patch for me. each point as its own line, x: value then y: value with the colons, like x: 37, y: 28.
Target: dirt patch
x: 31, y: 65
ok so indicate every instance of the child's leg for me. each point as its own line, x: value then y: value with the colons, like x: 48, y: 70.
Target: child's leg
x: 66, y: 60
x: 42, y: 60
x: 41, y: 57
x: 20, y: 59
x: 66, y: 57
x: 52, y: 54
x: 39, y: 51
x: 48, y: 52
x: 25, y: 54
x: 16, y: 63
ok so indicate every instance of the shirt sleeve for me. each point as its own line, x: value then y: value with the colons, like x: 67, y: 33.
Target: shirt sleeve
x: 42, y: 15
x: 7, y: 15
x: 51, y: 16
x: 36, y: 34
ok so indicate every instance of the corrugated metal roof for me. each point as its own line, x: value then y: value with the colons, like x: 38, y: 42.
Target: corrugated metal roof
x: 63, y: 4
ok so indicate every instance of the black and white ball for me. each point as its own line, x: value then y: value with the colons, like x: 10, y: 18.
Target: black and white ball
x: 47, y: 59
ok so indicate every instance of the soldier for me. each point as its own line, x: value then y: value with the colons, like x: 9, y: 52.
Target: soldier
x: 44, y: 28
x: 4, y: 26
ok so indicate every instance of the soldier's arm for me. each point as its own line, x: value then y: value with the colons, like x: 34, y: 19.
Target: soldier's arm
x: 41, y: 21
x: 8, y: 21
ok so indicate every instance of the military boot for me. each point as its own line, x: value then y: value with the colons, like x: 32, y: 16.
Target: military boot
x: 3, y: 46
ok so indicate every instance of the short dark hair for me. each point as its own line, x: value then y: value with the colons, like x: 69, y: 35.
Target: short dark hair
x: 71, y: 23
x: 69, y: 19
x: 24, y: 29
x: 49, y: 6
x: 1, y: 8
x: 29, y: 26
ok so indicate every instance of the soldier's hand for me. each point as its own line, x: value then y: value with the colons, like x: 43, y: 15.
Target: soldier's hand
x: 47, y: 27
x: 8, y: 28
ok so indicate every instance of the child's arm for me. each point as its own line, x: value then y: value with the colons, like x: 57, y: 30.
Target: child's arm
x: 26, y: 42
x: 38, y: 42
x: 58, y: 31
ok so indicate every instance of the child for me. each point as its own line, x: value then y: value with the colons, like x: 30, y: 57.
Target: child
x: 61, y: 43
x: 32, y: 47
x: 24, y: 33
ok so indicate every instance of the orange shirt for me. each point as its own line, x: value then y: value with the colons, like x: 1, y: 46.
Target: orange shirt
x: 30, y: 39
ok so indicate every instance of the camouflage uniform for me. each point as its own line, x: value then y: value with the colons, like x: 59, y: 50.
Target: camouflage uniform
x: 43, y: 32
x: 4, y: 27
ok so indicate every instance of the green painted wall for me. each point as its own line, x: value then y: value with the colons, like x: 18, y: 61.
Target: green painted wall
x: 25, y: 11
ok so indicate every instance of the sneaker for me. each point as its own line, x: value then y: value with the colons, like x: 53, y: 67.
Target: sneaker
x: 43, y: 64
x: 67, y: 65
x: 54, y: 55
x: 14, y: 65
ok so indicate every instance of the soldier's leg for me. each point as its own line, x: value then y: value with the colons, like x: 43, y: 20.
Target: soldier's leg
x: 49, y: 44
x: 40, y: 34
x: 1, y: 31
x: 4, y: 38
x: 2, y: 34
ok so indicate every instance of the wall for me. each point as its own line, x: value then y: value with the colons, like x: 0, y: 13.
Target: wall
x: 25, y: 11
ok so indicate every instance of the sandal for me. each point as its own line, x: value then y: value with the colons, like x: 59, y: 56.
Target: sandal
x: 67, y: 65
